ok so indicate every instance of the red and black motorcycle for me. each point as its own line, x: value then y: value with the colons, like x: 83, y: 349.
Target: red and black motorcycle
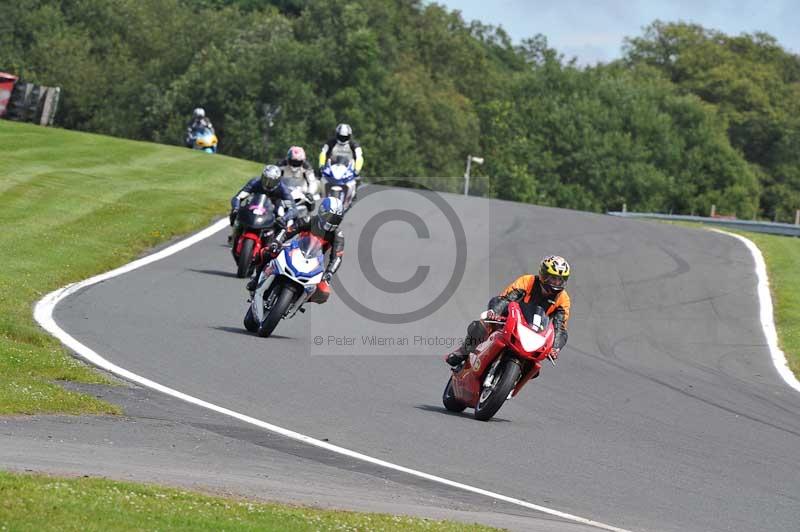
x: 500, y: 366
x: 257, y: 221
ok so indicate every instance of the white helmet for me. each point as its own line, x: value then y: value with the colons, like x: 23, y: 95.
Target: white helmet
x: 343, y: 133
x: 198, y: 113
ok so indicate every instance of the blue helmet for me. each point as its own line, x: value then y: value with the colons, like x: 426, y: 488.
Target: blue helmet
x: 329, y: 214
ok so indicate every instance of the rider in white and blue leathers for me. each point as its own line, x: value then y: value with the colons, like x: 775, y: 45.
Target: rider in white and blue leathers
x: 325, y: 226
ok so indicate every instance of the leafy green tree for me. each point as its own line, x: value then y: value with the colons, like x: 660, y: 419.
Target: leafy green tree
x: 753, y: 84
x: 690, y: 118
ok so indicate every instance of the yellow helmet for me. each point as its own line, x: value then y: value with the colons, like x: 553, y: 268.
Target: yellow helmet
x: 553, y: 273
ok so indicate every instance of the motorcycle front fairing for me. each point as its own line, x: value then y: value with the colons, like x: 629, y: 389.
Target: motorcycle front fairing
x: 339, y: 172
x: 257, y: 214
x: 205, y: 140
x: 256, y: 219
x: 301, y: 262
x: 534, y: 338
x: 340, y: 179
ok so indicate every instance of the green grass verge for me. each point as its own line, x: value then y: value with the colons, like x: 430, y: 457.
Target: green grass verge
x: 782, y: 256
x: 73, y: 205
x: 34, y: 502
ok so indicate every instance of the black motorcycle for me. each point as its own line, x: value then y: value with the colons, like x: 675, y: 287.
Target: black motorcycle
x: 257, y: 221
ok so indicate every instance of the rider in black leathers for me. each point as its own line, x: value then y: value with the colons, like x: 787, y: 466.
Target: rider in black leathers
x: 270, y: 183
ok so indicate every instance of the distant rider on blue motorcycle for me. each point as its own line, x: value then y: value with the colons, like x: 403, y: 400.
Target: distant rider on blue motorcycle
x: 342, y: 144
x: 199, y: 122
x: 325, y: 226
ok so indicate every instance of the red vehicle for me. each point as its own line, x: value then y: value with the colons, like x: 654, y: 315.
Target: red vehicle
x: 500, y: 366
x: 7, y: 82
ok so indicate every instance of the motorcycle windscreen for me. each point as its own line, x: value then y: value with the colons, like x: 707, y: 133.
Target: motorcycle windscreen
x: 258, y: 200
x: 535, y: 316
x: 310, y: 245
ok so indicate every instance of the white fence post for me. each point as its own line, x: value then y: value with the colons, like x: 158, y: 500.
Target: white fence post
x: 797, y: 217
x: 713, y: 210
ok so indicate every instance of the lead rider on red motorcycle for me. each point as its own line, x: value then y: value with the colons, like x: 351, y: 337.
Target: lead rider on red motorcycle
x: 545, y: 290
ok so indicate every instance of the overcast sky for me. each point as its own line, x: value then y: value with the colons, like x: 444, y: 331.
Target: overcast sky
x: 594, y: 31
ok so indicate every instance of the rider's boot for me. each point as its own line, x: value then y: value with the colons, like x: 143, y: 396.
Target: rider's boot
x: 457, y: 357
x: 321, y: 294
x: 476, y: 333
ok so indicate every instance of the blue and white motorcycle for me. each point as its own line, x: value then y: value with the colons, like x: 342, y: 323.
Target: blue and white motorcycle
x: 286, y: 283
x: 340, y: 180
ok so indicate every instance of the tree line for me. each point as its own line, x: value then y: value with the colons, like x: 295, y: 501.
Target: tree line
x: 689, y: 117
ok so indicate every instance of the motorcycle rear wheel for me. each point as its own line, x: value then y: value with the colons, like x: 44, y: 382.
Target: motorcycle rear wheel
x: 245, y: 258
x: 488, y: 407
x: 286, y: 295
x: 450, y: 402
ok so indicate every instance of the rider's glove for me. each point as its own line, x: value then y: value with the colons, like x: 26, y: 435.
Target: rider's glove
x: 274, y: 249
x: 491, y: 315
x: 554, y: 354
x: 327, y: 276
x: 310, y: 198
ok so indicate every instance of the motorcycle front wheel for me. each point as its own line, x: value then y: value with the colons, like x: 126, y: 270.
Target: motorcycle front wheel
x: 494, y: 395
x: 250, y: 322
x: 450, y: 402
x: 280, y: 304
x: 245, y: 258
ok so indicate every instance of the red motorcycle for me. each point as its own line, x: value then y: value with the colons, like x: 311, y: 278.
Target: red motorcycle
x: 501, y: 365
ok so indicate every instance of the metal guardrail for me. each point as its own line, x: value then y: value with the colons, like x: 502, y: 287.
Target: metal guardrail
x: 743, y: 225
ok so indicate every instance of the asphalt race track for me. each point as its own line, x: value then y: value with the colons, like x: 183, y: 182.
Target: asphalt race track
x: 663, y: 413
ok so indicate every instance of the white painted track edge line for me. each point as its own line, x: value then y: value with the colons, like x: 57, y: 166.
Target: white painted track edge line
x: 766, y: 314
x: 43, y: 314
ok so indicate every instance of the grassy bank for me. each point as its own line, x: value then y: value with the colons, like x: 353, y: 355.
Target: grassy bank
x: 33, y: 502
x: 73, y: 205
